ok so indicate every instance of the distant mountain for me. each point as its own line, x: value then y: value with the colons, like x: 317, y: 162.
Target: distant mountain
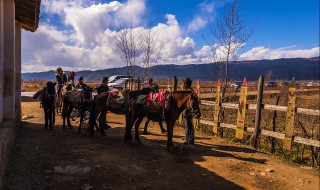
x: 284, y: 69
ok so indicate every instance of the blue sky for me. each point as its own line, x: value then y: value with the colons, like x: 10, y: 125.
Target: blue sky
x: 76, y: 34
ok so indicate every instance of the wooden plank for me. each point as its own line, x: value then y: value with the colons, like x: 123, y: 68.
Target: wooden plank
x: 264, y: 106
x: 309, y: 142
x: 217, y: 107
x: 241, y: 117
x: 289, y: 127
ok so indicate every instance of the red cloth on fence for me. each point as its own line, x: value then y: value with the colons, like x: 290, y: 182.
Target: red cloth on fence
x: 157, y: 97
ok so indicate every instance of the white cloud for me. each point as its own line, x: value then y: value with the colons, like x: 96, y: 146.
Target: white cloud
x: 90, y: 22
x: 205, y: 14
x: 58, y: 6
x: 196, y: 24
x: 132, y: 11
x: 262, y: 52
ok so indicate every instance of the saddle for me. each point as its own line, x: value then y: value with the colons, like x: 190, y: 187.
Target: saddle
x: 74, y: 96
x: 156, y: 100
x: 115, y: 100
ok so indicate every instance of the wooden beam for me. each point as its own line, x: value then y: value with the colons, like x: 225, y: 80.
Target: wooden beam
x: 264, y: 106
x: 277, y: 135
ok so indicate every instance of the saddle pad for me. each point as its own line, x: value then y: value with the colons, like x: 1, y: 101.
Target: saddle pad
x: 75, y: 96
x: 157, y: 97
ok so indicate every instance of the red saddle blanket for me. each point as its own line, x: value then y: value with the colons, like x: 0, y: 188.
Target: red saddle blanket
x: 157, y: 97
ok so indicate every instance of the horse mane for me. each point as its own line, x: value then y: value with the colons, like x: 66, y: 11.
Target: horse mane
x: 181, y: 96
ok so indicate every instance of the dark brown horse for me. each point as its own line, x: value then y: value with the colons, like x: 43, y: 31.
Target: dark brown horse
x: 47, y: 99
x: 100, y: 108
x: 83, y: 104
x: 176, y: 103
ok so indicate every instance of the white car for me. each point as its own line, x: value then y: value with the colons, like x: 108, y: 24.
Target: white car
x: 310, y: 84
x: 236, y: 84
x: 120, y: 83
x: 114, y: 78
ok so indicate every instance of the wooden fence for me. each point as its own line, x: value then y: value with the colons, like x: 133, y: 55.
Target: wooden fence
x: 241, y: 127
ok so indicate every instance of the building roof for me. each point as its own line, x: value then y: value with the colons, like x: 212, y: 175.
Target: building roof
x: 27, y: 13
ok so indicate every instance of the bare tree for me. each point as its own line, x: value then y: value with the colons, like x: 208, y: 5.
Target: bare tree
x: 127, y: 45
x: 230, y: 33
x: 151, y: 49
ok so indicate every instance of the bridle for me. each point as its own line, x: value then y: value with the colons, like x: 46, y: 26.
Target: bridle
x: 190, y: 104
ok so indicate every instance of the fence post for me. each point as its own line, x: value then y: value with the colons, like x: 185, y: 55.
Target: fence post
x: 217, y: 107
x: 290, y: 116
x: 175, y: 83
x: 241, y: 116
x: 254, y: 137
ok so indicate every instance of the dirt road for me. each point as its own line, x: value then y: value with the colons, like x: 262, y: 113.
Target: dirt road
x: 53, y: 159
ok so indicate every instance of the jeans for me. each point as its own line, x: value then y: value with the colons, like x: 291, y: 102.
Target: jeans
x: 189, y: 129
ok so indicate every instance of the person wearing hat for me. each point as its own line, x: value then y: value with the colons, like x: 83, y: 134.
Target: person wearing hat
x: 104, y: 86
x: 81, y: 84
x: 153, y: 86
x: 189, y: 129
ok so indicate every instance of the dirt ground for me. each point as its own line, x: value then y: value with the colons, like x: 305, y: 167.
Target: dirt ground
x: 53, y: 159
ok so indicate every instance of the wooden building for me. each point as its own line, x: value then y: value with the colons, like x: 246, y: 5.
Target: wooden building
x: 15, y: 15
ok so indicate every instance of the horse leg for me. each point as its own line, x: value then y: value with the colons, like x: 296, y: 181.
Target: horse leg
x: 64, y: 115
x: 128, y: 135
x: 45, y: 118
x: 83, y: 110
x: 101, y: 117
x: 68, y: 116
x: 136, y: 130
x: 50, y: 117
x: 170, y: 126
x: 161, y: 127
x: 145, y: 130
x: 54, y: 115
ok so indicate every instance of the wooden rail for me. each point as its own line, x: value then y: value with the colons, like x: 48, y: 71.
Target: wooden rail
x: 277, y: 135
x: 264, y: 106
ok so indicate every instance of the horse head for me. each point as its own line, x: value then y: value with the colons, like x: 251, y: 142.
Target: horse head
x: 193, y: 104
x: 87, y: 92
x: 50, y: 86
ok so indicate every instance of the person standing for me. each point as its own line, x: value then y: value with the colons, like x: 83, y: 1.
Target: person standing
x: 81, y: 84
x: 61, y: 78
x: 103, y: 87
x: 189, y: 128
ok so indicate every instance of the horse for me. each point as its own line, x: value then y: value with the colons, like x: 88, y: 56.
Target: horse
x: 101, y: 107
x: 177, y: 102
x: 47, y: 99
x: 83, y: 103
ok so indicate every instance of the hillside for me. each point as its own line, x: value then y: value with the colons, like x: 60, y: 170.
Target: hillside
x: 284, y: 69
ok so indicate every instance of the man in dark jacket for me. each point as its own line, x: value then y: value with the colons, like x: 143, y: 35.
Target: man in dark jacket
x: 101, y: 89
x: 104, y: 86
x: 81, y: 84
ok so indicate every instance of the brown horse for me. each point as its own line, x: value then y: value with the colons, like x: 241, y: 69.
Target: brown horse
x: 101, y: 108
x: 176, y: 103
